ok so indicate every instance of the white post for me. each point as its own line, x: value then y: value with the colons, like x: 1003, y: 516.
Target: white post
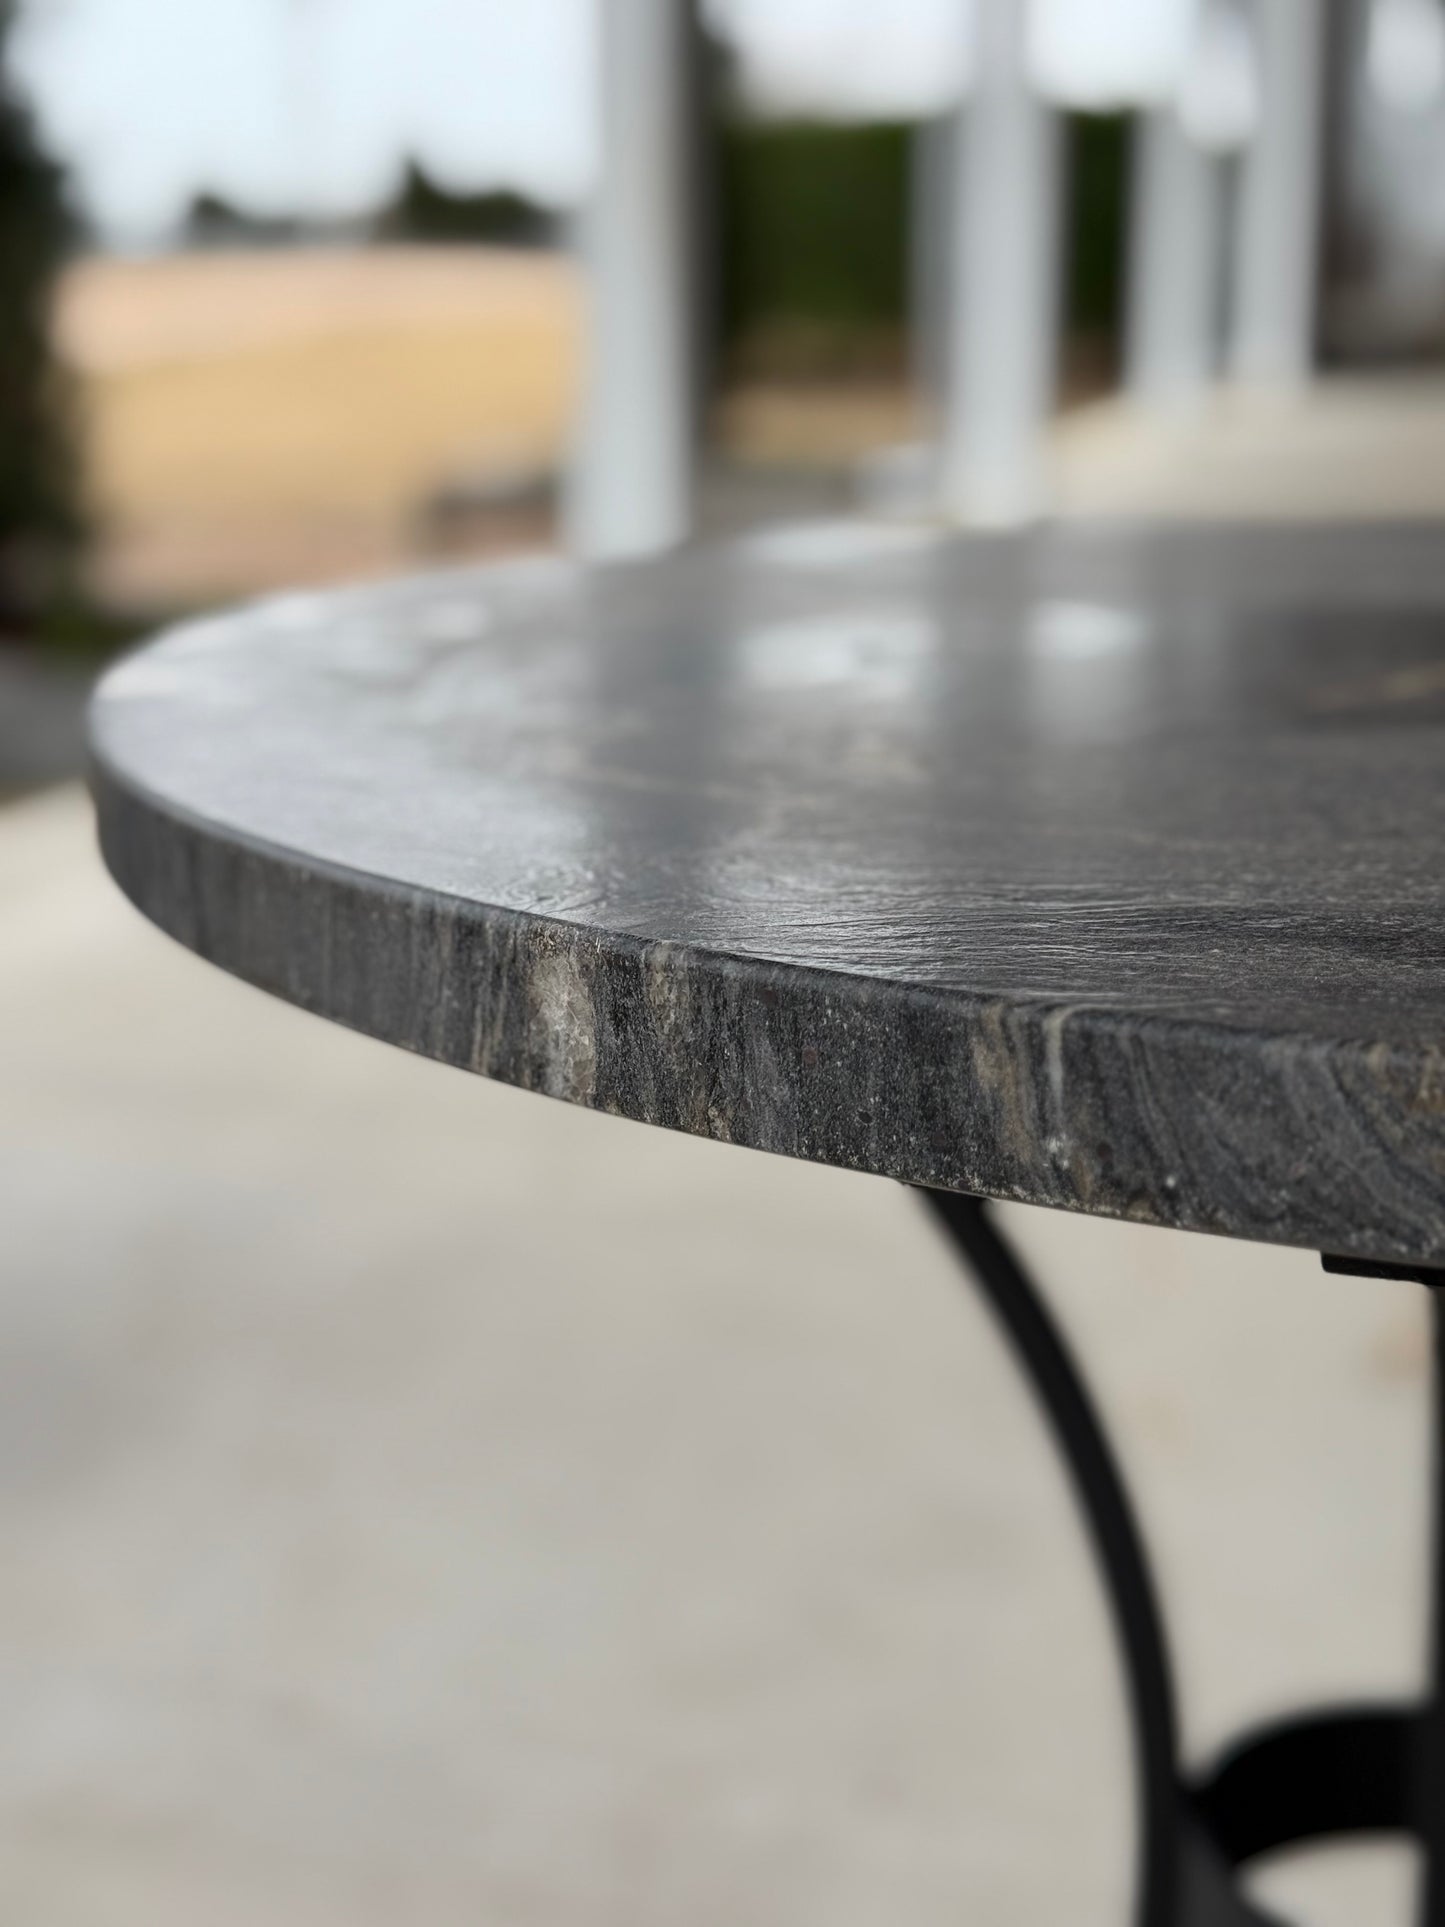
x: 1175, y: 314
x: 1272, y: 335
x: 1003, y: 330
x: 931, y: 194
x: 631, y: 485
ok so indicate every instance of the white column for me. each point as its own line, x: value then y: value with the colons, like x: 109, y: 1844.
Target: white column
x: 1003, y: 328
x: 1277, y: 237
x: 932, y: 186
x: 630, y: 491
x: 1175, y: 314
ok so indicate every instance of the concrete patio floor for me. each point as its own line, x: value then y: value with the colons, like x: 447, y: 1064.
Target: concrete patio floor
x: 425, y: 1503
x: 1350, y: 446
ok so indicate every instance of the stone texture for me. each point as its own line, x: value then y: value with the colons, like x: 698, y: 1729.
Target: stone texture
x: 1096, y: 869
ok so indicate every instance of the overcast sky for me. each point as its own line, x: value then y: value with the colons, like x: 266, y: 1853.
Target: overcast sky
x: 314, y: 103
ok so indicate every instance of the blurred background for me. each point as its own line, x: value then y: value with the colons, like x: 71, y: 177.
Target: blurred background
x: 423, y: 1502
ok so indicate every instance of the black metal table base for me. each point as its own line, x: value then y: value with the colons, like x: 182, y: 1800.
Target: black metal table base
x: 1351, y: 1769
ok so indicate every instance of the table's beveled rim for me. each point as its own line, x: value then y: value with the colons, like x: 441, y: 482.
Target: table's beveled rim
x: 726, y: 1046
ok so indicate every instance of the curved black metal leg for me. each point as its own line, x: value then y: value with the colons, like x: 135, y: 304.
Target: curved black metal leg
x: 1118, y: 1548
x: 1430, y: 1769
x: 1351, y: 1769
x: 1345, y: 1770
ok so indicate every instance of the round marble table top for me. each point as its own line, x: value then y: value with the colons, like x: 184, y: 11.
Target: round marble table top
x: 1095, y: 867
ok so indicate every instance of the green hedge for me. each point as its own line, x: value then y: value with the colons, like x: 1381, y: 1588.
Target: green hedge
x: 814, y: 232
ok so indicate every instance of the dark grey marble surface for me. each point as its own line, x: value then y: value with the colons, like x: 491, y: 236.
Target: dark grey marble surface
x: 1097, y: 868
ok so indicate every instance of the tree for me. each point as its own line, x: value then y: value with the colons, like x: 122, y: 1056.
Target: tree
x: 40, y: 522
x: 212, y: 221
x: 423, y: 210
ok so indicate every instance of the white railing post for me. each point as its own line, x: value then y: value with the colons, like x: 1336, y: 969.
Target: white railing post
x: 1175, y: 312
x: 631, y: 487
x: 932, y: 192
x: 1277, y: 235
x: 1003, y: 323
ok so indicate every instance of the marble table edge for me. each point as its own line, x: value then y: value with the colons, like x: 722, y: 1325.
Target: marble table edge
x: 1173, y: 1120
